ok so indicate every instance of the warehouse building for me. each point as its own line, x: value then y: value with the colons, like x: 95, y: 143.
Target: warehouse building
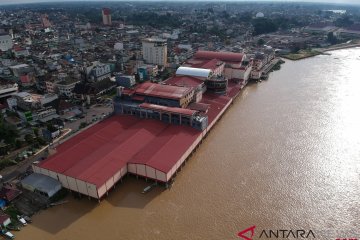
x: 42, y: 184
x: 93, y: 161
x: 172, y: 96
x: 232, y: 65
x: 151, y: 134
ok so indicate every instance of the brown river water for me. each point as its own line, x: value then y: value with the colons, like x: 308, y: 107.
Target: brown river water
x: 286, y: 155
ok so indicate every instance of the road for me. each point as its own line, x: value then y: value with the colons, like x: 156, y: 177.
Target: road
x: 14, y: 171
x: 95, y: 111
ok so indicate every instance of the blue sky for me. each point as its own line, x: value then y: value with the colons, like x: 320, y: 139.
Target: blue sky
x: 322, y: 1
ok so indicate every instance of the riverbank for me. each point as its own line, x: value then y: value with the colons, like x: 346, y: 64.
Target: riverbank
x: 284, y: 144
x: 302, y: 54
x: 341, y: 46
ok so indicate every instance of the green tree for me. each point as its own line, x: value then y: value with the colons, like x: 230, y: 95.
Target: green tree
x: 82, y: 125
x: 260, y: 42
x: 264, y: 25
x: 18, y: 143
x: 29, y: 139
x: 331, y: 38
x: 51, y: 127
x: 8, y: 133
x: 41, y: 141
x: 344, y: 21
x: 36, y: 131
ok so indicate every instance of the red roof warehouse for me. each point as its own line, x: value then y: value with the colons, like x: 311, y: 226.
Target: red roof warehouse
x: 95, y: 159
x: 165, y: 91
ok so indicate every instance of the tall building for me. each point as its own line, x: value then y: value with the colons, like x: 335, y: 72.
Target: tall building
x: 106, y: 14
x: 45, y: 21
x: 155, y: 51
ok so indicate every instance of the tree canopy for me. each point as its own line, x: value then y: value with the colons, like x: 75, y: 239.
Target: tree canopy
x: 264, y: 25
x: 8, y: 134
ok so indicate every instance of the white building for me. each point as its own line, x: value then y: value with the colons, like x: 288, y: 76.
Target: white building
x: 200, y: 73
x: 119, y: 46
x: 42, y: 115
x: 66, y: 87
x: 19, y: 69
x: 8, y: 89
x: 50, y: 86
x: 5, y: 42
x: 28, y: 101
x: 98, y: 71
x: 63, y: 84
x: 155, y: 51
x: 260, y: 15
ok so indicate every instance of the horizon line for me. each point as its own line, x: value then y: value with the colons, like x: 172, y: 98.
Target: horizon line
x: 31, y: 2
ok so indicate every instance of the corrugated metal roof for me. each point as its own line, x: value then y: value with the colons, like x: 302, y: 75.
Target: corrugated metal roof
x: 100, y: 151
x: 194, y: 72
x: 162, y: 91
x: 184, y: 81
x: 183, y: 111
x: 41, y: 182
x: 223, y: 56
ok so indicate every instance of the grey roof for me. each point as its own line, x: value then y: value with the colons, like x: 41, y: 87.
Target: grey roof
x: 48, y: 118
x: 193, y: 72
x: 41, y: 182
x: 22, y: 94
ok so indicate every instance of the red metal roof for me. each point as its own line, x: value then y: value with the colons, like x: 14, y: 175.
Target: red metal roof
x: 223, y: 56
x: 184, y: 81
x: 9, y: 193
x: 138, y: 98
x: 199, y: 106
x: 162, y: 91
x: 128, y: 91
x: 100, y: 151
x: 182, y: 111
x: 106, y: 11
x: 24, y: 79
x: 212, y: 64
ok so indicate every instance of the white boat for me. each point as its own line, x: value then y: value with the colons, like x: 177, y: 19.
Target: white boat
x: 27, y: 219
x: 148, y: 188
x: 9, y: 235
x: 22, y: 220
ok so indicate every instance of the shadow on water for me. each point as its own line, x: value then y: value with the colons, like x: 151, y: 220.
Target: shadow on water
x: 126, y: 194
x: 60, y: 217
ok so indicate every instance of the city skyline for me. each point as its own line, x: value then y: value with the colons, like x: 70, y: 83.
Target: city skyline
x: 356, y: 2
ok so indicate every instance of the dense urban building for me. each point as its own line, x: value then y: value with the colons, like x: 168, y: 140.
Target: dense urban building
x: 5, y: 42
x: 155, y: 51
x: 106, y: 16
x: 92, y: 92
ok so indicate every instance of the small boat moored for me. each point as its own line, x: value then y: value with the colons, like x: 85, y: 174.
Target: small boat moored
x: 148, y: 188
x: 21, y: 220
x: 27, y: 219
x: 7, y: 234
